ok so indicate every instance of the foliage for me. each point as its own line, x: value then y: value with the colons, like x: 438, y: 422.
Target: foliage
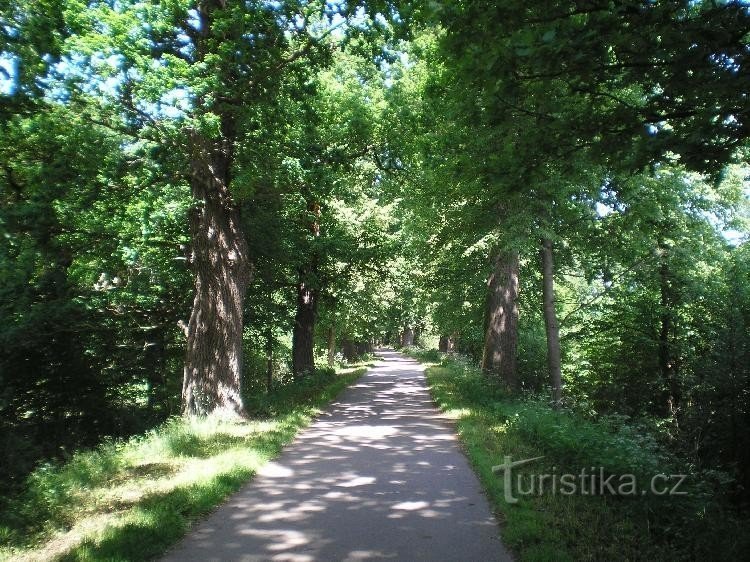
x: 375, y: 159
x: 492, y: 424
x: 132, y: 499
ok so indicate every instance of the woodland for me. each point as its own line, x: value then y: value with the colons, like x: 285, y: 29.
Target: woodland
x: 208, y: 205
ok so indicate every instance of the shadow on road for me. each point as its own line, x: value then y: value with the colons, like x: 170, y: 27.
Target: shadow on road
x: 379, y: 475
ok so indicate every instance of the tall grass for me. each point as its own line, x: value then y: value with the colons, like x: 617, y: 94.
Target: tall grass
x: 492, y: 424
x: 131, y: 500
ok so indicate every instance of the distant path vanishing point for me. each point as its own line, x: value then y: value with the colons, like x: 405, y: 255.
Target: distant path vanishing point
x: 379, y: 475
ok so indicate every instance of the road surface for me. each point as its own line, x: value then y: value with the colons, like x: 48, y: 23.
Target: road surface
x: 378, y: 476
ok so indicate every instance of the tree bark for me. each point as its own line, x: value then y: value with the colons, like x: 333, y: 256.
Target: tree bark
x: 443, y: 344
x: 667, y: 362
x: 155, y: 362
x: 407, y: 337
x: 331, y: 345
x: 349, y: 349
x: 221, y: 265
x: 269, y: 360
x: 452, y: 339
x: 551, y: 323
x: 501, y: 338
x: 303, y: 334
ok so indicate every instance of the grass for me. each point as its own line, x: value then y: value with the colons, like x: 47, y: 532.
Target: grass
x: 542, y: 527
x: 131, y: 500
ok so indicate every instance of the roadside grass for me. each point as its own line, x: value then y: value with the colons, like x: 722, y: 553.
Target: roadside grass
x: 551, y: 526
x: 131, y: 500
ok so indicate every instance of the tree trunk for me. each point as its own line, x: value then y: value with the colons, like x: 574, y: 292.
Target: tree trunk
x: 155, y: 362
x: 443, y: 344
x: 269, y: 360
x: 303, y: 335
x: 452, y: 343
x: 407, y: 337
x: 667, y: 362
x: 501, y: 339
x: 331, y: 345
x: 221, y: 265
x: 550, y: 321
x: 349, y: 350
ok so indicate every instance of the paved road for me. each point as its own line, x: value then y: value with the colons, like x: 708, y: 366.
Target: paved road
x: 378, y: 476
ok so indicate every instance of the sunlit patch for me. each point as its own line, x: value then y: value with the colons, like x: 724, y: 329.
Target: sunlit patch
x: 359, y: 481
x: 368, y: 431
x: 411, y: 506
x: 297, y: 513
x: 275, y: 470
x: 191, y: 459
x: 282, y: 539
x: 292, y: 557
x: 365, y: 555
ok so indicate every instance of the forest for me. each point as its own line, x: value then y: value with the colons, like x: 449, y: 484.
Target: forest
x: 209, y: 208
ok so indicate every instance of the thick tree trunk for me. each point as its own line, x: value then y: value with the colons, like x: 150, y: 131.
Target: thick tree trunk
x: 501, y: 338
x: 550, y: 321
x: 303, y: 334
x: 331, y: 345
x: 222, y: 269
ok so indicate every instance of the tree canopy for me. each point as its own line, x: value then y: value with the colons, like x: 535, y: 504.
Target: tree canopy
x: 202, y: 201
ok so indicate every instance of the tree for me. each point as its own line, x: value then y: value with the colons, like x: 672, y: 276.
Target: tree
x: 198, y: 79
x: 521, y: 78
x: 550, y: 320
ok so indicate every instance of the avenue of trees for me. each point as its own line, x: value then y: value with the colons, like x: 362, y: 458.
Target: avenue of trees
x: 203, y: 199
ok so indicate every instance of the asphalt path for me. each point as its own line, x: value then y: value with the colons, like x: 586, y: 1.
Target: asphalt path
x: 378, y: 476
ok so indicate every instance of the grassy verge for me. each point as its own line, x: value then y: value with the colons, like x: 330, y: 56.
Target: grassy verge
x: 133, y: 499
x: 552, y: 526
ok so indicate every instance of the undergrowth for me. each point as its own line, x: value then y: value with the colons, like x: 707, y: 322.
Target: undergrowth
x: 700, y: 524
x: 133, y: 499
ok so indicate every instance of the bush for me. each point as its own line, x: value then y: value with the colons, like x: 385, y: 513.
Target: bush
x: 493, y: 423
x: 426, y: 355
x: 131, y: 499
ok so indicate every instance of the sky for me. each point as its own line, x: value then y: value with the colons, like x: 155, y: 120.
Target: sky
x: 7, y: 75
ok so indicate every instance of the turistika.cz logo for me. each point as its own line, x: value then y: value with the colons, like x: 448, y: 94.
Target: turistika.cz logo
x: 590, y: 481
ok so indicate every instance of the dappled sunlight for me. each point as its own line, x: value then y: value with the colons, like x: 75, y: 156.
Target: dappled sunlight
x: 378, y: 475
x: 275, y: 470
x: 358, y: 481
x: 365, y: 431
x: 124, y: 495
x: 410, y: 506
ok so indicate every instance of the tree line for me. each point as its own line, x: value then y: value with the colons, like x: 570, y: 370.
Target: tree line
x: 202, y: 200
x: 577, y: 198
